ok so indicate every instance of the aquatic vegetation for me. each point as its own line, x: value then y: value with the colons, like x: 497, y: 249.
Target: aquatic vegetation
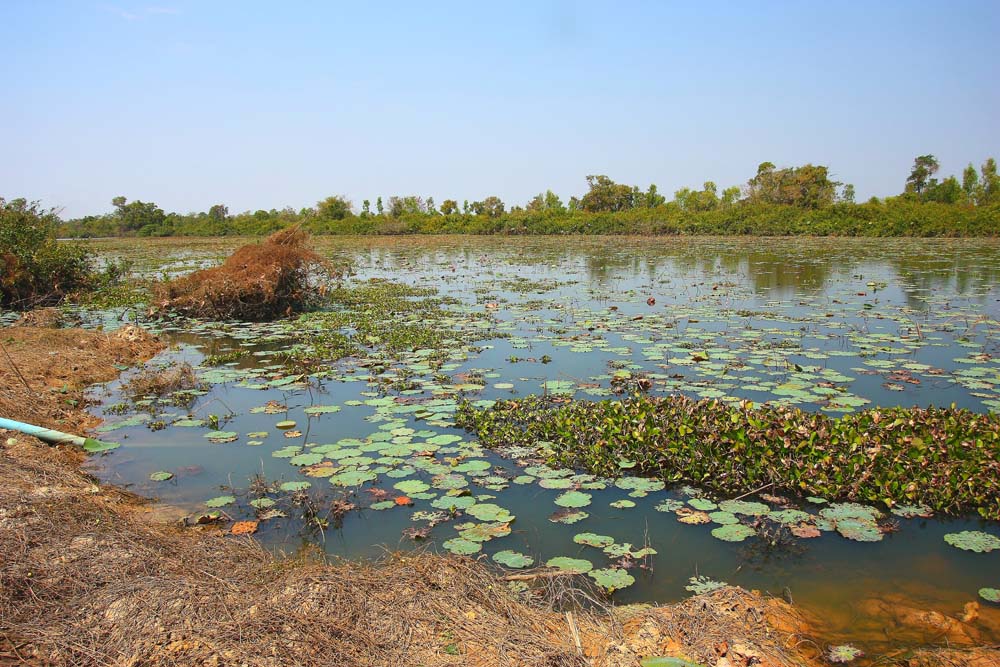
x: 574, y: 565
x: 701, y: 584
x: 843, y: 653
x: 161, y: 476
x: 944, y: 459
x: 512, y: 559
x: 973, y: 540
x: 612, y: 579
x: 990, y: 594
x: 733, y: 532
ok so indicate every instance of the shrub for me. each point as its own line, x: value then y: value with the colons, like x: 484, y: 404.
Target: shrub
x: 35, y: 268
x: 259, y: 282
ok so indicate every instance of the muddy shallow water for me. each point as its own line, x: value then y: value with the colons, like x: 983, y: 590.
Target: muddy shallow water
x: 824, y: 324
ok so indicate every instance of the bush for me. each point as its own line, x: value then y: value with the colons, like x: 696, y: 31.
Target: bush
x: 35, y: 268
x: 259, y: 282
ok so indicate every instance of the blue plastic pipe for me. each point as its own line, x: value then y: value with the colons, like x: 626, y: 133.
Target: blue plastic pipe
x: 54, y: 437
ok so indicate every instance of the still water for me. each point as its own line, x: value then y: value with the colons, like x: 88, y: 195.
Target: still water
x: 831, y: 325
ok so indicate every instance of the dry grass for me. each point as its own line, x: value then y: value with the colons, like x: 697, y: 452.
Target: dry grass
x: 258, y: 282
x: 43, y: 372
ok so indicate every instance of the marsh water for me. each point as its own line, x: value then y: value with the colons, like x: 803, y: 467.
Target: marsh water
x: 823, y: 324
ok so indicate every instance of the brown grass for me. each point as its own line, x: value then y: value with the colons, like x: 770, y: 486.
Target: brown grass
x: 43, y: 372
x: 258, y: 282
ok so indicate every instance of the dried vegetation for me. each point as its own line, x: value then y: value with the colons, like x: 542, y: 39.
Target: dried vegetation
x: 259, y: 282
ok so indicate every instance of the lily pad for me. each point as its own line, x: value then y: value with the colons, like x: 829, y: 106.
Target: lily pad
x: 735, y: 532
x: 702, y: 584
x: 573, y: 499
x: 411, y: 486
x: 592, y: 540
x: 161, y: 476
x: 575, y: 565
x: 843, y: 653
x: 990, y: 594
x: 490, y: 512
x: 295, y: 486
x: 512, y: 559
x: 973, y: 540
x: 220, y: 501
x: 462, y: 546
x: 321, y: 409
x: 612, y: 578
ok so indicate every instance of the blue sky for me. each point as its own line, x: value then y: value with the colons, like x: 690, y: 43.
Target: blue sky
x: 264, y: 104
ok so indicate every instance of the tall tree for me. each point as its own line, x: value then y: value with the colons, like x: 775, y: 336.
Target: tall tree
x: 924, y: 166
x: 605, y: 195
x: 808, y: 186
x: 491, y: 207
x: 989, y: 186
x: 334, y: 208
x: 219, y: 212
x: 449, y: 206
x: 970, y: 183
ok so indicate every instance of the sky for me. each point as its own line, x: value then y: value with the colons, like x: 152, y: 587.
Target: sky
x: 261, y: 105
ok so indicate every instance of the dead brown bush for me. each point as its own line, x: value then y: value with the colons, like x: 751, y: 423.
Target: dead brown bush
x: 162, y: 381
x: 259, y: 282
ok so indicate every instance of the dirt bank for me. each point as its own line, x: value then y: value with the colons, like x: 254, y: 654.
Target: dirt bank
x: 86, y: 580
x: 44, y: 370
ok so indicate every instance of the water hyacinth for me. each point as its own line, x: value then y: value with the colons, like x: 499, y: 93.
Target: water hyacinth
x: 920, y: 458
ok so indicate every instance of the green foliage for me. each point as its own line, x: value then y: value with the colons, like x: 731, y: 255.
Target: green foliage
x: 808, y: 186
x: 924, y: 166
x: 35, y: 268
x: 945, y: 459
x: 788, y: 201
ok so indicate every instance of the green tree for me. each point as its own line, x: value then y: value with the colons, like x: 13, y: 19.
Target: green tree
x: 847, y: 193
x: 652, y: 198
x: 924, y: 166
x: 605, y: 195
x: 219, y: 212
x: 730, y: 196
x: 138, y: 215
x: 449, y: 206
x: 948, y: 191
x: 333, y: 208
x: 808, y: 186
x: 546, y: 201
x: 970, y: 183
x: 366, y: 208
x: 430, y: 206
x: 491, y: 207
x: 408, y: 205
x: 989, y: 186
x: 378, y: 206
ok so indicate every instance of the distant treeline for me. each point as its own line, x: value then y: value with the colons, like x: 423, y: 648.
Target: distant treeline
x: 788, y: 201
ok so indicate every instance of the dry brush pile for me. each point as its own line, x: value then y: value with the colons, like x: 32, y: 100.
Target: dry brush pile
x: 259, y: 282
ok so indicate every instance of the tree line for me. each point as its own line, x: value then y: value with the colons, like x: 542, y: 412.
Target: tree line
x: 795, y: 200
